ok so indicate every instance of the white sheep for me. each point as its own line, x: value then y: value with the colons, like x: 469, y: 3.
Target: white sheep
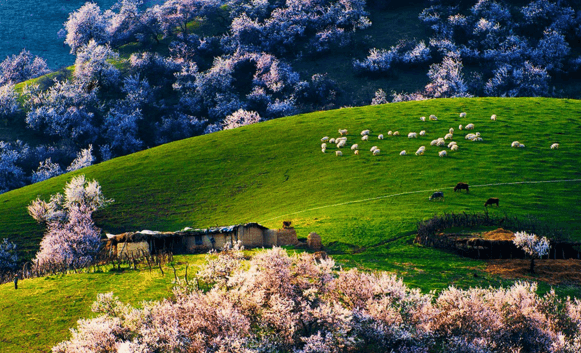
x: 332, y: 140
x: 389, y: 133
x: 433, y: 117
x: 469, y: 127
x: 520, y: 145
x: 459, y: 127
x: 356, y: 152
x: 323, y: 145
x: 555, y: 146
x: 514, y: 144
x: 323, y: 150
x: 380, y: 137
x: 434, y: 142
x: 373, y: 148
x: 454, y: 148
x: 448, y: 137
x: 343, y: 132
x: 396, y: 133
x: 423, y: 118
x: 365, y: 132
x: 451, y: 130
x: 338, y: 153
x: 470, y: 136
x: 376, y: 152
x: 365, y: 138
x: 341, y: 143
x: 413, y: 135
x: 463, y: 114
x: 402, y: 153
x: 442, y: 153
x: 421, y: 151
x: 453, y: 143
x: 441, y: 142
x: 493, y: 117
x: 477, y: 139
x: 354, y: 147
x: 423, y: 133
x: 325, y: 139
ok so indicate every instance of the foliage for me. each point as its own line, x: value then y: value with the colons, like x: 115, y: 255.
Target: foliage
x: 532, y: 244
x: 380, y: 97
x: 92, y: 65
x: 8, y: 256
x: 284, y: 303
x: 11, y: 156
x: 84, y: 25
x: 240, y: 118
x: 84, y: 159
x: 8, y: 101
x: 46, y: 170
x: 447, y: 79
x: 21, y: 67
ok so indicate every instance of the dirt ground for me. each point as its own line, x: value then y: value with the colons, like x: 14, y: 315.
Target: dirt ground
x: 550, y: 271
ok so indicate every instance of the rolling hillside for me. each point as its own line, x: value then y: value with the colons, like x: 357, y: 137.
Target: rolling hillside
x: 275, y: 171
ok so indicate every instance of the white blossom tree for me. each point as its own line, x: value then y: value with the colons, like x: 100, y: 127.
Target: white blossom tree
x: 532, y: 245
x: 239, y: 118
x: 46, y: 170
x: 84, y: 25
x: 8, y: 256
x: 21, y: 67
x: 84, y: 159
x: 92, y: 65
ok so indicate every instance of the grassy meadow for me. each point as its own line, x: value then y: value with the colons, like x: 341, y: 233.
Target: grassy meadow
x: 365, y: 207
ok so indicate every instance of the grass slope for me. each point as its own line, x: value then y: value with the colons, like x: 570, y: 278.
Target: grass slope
x: 275, y: 171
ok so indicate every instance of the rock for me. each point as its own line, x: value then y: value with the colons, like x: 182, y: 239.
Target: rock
x: 314, y: 241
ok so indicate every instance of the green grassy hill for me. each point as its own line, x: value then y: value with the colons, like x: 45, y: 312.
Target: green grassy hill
x: 365, y: 207
x: 275, y: 171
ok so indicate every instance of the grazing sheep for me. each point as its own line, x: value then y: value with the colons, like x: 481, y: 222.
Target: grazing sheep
x: 341, y: 143
x: 354, y: 147
x: 323, y: 145
x: 448, y: 137
x: 389, y: 133
x: 555, y: 146
x: 437, y: 195
x: 491, y: 201
x: 453, y: 143
x: 332, y: 140
x: 423, y: 133
x: 469, y: 127
x: 470, y: 136
x: 493, y: 117
x: 343, y: 132
x: 454, y: 148
x: 365, y: 132
x: 356, y: 152
x: 323, y: 150
x: 423, y: 118
x: 520, y: 145
x: 413, y: 135
x: 461, y: 186
x: 459, y: 127
x: 365, y: 138
x: 376, y: 152
x: 463, y: 114
x: 420, y: 151
x: 433, y: 117
x: 477, y: 139
x: 402, y: 153
x: 514, y: 144
x: 373, y: 148
x: 442, y: 153
x: 434, y: 142
x: 441, y: 142
x: 451, y: 130
x: 380, y: 137
x: 396, y: 133
x: 325, y: 139
x: 338, y: 153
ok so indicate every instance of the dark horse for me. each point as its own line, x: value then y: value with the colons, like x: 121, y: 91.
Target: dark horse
x: 491, y: 201
x: 461, y: 186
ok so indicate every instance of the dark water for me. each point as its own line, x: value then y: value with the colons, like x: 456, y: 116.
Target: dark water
x: 33, y: 24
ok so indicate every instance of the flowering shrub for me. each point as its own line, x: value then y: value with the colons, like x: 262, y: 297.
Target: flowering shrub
x: 8, y: 256
x: 282, y: 303
x: 21, y: 67
x: 239, y: 118
x: 532, y: 245
x: 524, y: 81
x: 46, y: 170
x: 447, y: 79
x: 380, y: 97
x: 84, y: 159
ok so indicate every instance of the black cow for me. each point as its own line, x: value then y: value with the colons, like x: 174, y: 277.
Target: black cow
x: 437, y: 195
x: 491, y: 201
x: 461, y: 186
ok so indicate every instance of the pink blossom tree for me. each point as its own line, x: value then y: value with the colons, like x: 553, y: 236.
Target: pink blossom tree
x: 532, y: 245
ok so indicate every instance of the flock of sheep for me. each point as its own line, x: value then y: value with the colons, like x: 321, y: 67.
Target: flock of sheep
x: 341, y: 141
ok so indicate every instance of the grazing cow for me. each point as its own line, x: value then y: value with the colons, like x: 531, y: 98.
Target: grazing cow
x: 461, y: 186
x: 491, y: 201
x: 437, y: 195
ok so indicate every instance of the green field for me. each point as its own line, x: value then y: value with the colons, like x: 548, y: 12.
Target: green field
x: 365, y: 207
